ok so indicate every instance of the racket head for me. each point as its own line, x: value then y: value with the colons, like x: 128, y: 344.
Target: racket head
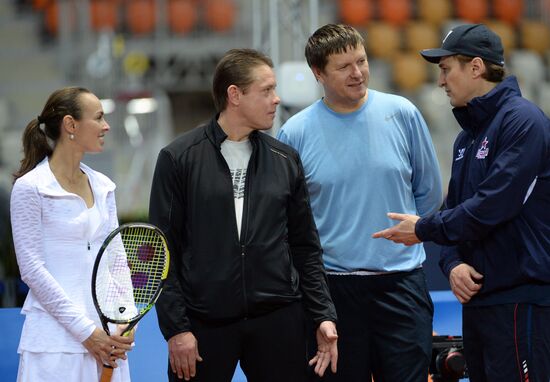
x: 129, y: 272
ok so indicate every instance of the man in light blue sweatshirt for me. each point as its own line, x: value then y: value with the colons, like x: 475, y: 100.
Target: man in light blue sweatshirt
x: 364, y: 153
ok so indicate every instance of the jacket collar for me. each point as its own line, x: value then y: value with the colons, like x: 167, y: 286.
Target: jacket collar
x: 479, y: 110
x: 47, y: 183
x: 215, y: 133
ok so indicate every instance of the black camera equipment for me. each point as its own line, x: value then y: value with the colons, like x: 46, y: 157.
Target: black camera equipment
x: 448, y: 363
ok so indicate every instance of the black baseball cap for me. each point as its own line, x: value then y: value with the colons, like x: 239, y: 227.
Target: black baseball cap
x: 474, y: 40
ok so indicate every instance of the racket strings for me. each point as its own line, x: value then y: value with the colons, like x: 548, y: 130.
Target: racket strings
x: 132, y: 269
x: 145, y: 250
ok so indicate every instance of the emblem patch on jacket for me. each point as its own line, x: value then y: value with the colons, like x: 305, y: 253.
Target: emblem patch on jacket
x: 460, y: 154
x: 483, y: 151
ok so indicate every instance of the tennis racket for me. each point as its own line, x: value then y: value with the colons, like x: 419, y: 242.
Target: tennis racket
x: 128, y: 275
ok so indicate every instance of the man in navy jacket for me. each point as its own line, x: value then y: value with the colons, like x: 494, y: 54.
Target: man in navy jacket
x: 495, y: 226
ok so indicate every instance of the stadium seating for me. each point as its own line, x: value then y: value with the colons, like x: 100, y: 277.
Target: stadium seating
x: 396, y: 12
x: 220, y: 15
x: 383, y: 40
x: 409, y: 71
x: 419, y: 35
x: 182, y: 15
x: 434, y: 11
x: 474, y: 11
x: 535, y: 36
x: 509, y: 11
x: 355, y: 12
x: 104, y: 15
x: 140, y: 16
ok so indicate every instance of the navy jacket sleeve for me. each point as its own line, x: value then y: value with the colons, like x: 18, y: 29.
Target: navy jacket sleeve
x: 449, y: 258
x: 166, y: 211
x: 518, y: 155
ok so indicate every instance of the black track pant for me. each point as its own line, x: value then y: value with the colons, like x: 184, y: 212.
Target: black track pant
x: 507, y: 342
x: 270, y: 348
x: 384, y: 328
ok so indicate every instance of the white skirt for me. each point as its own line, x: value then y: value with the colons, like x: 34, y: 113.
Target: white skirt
x: 65, y: 367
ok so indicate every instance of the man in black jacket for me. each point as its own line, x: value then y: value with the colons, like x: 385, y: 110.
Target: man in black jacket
x: 246, y: 257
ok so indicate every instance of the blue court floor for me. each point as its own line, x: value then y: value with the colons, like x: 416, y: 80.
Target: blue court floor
x: 148, y: 360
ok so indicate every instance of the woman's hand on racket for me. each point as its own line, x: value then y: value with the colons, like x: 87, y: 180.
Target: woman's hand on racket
x: 327, y: 349
x: 183, y: 351
x: 106, y: 349
x: 121, y: 331
x: 122, y: 337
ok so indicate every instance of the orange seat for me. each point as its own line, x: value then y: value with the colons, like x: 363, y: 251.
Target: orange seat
x: 535, y: 36
x: 383, y: 40
x: 51, y: 17
x: 409, y: 71
x: 421, y: 35
x: 434, y: 11
x: 39, y: 5
x: 510, y: 11
x: 396, y: 12
x: 355, y: 12
x: 141, y: 16
x: 220, y: 15
x: 474, y: 11
x: 103, y: 14
x: 182, y: 15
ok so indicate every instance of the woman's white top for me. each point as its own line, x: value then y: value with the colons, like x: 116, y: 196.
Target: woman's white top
x: 56, y: 247
x: 94, y: 220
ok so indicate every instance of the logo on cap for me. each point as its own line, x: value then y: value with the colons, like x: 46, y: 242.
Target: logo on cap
x: 447, y: 35
x: 473, y: 40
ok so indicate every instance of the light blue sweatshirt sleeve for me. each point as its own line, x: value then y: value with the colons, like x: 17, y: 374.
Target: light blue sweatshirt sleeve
x: 426, y: 175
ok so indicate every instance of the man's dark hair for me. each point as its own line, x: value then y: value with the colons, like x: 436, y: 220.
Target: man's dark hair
x: 235, y: 68
x: 330, y: 39
x: 494, y: 72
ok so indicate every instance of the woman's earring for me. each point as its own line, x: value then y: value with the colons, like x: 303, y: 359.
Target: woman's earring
x: 71, y: 137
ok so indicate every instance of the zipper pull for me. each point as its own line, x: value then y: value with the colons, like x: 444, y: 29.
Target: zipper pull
x: 88, y: 245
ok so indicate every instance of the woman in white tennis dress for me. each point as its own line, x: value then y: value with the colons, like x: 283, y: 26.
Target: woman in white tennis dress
x: 61, y: 211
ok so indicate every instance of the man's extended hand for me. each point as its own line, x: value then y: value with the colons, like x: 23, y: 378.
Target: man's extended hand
x: 327, y: 349
x: 402, y: 232
x: 183, y: 351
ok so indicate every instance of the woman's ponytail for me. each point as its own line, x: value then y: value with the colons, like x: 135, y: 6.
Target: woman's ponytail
x: 42, y: 133
x: 35, y: 147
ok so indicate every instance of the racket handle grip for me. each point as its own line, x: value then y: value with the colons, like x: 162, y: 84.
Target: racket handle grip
x: 106, y: 374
